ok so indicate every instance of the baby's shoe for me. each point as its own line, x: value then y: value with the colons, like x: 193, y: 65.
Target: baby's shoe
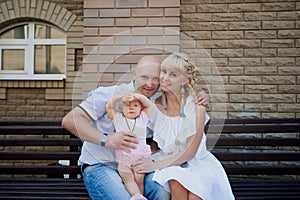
x: 138, y: 197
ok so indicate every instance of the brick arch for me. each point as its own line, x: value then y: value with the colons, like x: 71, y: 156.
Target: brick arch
x: 39, y: 9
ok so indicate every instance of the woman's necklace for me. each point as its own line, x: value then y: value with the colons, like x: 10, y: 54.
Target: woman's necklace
x: 131, y: 130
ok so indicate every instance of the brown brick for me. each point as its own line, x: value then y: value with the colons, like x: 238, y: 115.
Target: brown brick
x: 289, y: 89
x: 149, y: 12
x: 164, y: 3
x: 270, y: 70
x: 168, y: 21
x: 260, y: 16
x: 245, y: 25
x: 260, y: 52
x: 250, y: 7
x: 278, y: 43
x: 195, y: 17
x: 131, y: 22
x: 131, y: 3
x: 227, y: 53
x: 260, y: 107
x: 99, y: 22
x: 282, y: 6
x: 244, y: 61
x: 98, y: 4
x: 187, y: 8
x: 260, y: 34
x: 260, y: 89
x: 290, y: 108
x: 211, y: 8
x: 279, y: 98
x: 245, y: 80
x: 245, y: 98
x: 172, y: 12
x: 278, y: 25
x: 281, y: 80
x: 114, y: 13
x: 285, y: 52
x: 227, y: 34
x: 278, y: 61
x: 227, y: 17
x: 288, y: 34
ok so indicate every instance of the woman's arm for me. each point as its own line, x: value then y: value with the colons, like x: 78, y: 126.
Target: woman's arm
x: 146, y: 166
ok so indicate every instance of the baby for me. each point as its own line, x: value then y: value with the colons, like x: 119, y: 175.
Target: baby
x: 133, y: 119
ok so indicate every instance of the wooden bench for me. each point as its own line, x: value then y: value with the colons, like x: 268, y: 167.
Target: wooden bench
x: 261, y: 157
x: 35, y: 149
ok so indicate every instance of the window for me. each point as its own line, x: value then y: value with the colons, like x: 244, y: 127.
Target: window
x: 32, y: 51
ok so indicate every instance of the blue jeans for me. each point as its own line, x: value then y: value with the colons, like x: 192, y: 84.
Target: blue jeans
x: 104, y: 183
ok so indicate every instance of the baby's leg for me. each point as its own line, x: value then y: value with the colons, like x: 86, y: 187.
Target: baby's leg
x: 129, y: 179
x: 139, y: 179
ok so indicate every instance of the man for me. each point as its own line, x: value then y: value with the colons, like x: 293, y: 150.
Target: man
x: 99, y: 168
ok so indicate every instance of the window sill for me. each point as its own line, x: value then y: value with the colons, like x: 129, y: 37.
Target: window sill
x: 39, y: 77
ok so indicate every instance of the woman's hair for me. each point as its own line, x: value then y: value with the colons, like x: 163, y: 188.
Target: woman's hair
x: 180, y: 62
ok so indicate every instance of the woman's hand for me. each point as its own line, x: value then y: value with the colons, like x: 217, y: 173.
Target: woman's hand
x: 143, y: 166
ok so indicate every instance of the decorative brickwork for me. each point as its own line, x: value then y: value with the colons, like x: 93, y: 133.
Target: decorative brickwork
x: 255, y: 48
x: 68, y: 17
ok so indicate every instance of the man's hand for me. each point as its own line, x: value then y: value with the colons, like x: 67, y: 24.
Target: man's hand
x: 202, y: 99
x: 122, y: 141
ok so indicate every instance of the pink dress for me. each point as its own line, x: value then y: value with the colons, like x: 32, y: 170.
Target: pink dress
x: 138, y: 127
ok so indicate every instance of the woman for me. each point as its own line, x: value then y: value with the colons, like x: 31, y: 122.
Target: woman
x: 183, y: 166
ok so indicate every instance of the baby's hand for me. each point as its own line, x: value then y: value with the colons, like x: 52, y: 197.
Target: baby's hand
x: 127, y: 98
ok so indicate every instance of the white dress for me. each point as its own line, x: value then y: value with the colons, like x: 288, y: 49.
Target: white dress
x: 203, y: 175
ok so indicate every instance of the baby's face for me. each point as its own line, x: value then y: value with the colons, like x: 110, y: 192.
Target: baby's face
x: 132, y: 110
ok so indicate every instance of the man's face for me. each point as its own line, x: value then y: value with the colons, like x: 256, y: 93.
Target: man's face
x: 147, y: 79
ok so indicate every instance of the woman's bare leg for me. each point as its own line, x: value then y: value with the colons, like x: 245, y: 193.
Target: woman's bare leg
x: 178, y: 192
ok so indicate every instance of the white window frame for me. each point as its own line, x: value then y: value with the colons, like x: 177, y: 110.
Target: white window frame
x: 28, y: 45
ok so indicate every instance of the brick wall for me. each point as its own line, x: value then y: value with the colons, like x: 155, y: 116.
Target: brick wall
x: 247, y: 53
x: 254, y: 54
x: 37, y: 99
x: 118, y: 33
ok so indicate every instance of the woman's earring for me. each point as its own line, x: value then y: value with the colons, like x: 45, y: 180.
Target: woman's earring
x: 182, y: 101
x: 163, y: 101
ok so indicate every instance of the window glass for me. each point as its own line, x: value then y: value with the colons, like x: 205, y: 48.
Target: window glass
x: 13, y: 59
x: 49, y: 59
x: 19, y: 32
x: 38, y: 49
x: 47, y: 32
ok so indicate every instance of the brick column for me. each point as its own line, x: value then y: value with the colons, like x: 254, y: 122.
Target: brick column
x: 117, y: 33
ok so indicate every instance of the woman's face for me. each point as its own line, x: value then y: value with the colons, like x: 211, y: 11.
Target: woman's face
x: 171, y: 80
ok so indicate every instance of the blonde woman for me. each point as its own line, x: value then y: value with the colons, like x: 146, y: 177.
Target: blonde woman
x: 183, y: 166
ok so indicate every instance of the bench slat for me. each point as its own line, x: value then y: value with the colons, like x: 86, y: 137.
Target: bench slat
x: 267, y: 170
x: 253, y: 141
x: 40, y: 169
x: 39, y: 155
x: 41, y: 142
x: 257, y: 156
